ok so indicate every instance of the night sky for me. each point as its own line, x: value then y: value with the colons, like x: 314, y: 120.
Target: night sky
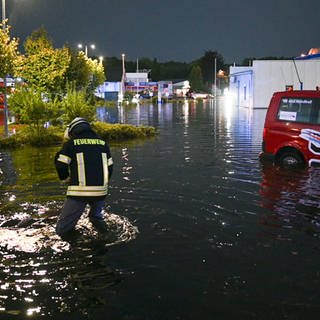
x: 179, y: 30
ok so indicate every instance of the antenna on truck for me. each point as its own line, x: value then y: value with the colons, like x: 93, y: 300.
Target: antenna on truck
x: 295, y: 66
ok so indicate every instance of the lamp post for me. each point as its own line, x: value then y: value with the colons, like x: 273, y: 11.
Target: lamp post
x: 221, y: 75
x: 215, y: 77
x: 92, y: 46
x: 123, y: 79
x: 3, y: 12
x: 5, y: 104
x: 123, y: 66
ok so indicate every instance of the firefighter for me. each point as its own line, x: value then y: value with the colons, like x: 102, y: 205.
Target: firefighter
x: 85, y: 164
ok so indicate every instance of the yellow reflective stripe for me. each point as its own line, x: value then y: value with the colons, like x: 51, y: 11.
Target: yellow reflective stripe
x: 86, y: 193
x: 81, y: 169
x: 105, y: 168
x: 110, y: 162
x: 88, y: 188
x: 64, y: 159
x: 89, y: 191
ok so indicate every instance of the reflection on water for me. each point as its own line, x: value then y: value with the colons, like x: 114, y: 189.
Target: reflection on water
x: 292, y: 196
x: 216, y: 227
x: 49, y: 283
x: 41, y: 274
x: 138, y: 115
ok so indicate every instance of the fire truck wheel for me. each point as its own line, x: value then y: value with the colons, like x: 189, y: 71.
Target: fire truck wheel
x: 291, y: 158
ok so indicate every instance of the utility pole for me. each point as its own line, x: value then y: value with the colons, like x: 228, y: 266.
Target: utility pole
x: 5, y: 103
x: 215, y: 77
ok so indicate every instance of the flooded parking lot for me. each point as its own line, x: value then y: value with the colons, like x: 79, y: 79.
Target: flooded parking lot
x: 206, y: 230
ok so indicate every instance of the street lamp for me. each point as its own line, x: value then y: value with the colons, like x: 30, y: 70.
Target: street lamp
x: 3, y: 12
x: 5, y: 103
x: 220, y: 76
x: 215, y: 77
x: 123, y: 79
x: 92, y: 46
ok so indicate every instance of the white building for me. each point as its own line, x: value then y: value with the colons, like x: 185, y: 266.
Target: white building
x: 136, y: 77
x: 252, y: 87
x: 181, y: 88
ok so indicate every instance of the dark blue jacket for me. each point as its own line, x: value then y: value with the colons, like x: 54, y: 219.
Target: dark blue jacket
x: 86, y: 160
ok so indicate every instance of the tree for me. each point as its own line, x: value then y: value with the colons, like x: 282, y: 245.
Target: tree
x: 207, y: 65
x: 75, y: 104
x: 155, y: 70
x: 195, y: 78
x: 97, y: 75
x: 78, y: 71
x: 30, y: 107
x: 172, y: 70
x: 44, y: 67
x: 9, y: 55
x: 37, y: 41
x: 9, y: 58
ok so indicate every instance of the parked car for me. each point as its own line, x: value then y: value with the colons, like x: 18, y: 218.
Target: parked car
x: 291, y: 134
x: 199, y: 95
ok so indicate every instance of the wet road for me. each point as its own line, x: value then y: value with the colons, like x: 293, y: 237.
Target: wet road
x: 209, y: 232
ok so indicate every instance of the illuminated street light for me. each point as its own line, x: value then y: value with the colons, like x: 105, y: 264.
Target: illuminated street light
x: 92, y: 46
x: 123, y: 79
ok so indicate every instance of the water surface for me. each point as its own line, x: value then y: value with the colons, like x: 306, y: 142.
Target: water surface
x: 208, y: 231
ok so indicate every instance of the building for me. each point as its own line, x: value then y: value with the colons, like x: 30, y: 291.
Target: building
x: 253, y: 86
x: 108, y: 91
x: 181, y: 88
x: 139, y: 82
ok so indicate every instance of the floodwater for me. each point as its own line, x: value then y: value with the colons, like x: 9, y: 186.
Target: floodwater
x: 202, y: 229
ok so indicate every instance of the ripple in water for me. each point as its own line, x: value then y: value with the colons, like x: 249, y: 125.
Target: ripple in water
x: 41, y: 275
x: 27, y: 233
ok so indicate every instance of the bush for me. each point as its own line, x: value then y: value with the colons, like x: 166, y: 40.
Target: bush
x: 49, y: 136
x: 27, y: 135
x: 118, y: 132
x: 75, y: 104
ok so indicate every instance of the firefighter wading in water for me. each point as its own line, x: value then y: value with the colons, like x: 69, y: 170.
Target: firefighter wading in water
x: 85, y: 164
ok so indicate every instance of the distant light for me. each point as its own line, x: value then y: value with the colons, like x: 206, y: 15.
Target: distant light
x: 32, y: 311
x: 81, y: 46
x: 229, y: 100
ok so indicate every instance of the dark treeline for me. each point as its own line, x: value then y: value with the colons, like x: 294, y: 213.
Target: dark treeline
x: 200, y: 72
x: 158, y: 70
x: 171, y: 70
